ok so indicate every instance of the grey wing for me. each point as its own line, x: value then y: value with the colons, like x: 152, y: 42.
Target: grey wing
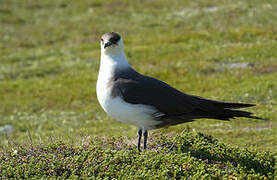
x: 176, y: 106
x: 149, y: 91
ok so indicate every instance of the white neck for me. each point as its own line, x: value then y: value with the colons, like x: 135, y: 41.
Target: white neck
x: 113, y: 61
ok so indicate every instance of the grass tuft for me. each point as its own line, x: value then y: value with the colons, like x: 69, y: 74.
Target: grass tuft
x: 49, y: 60
x: 189, y: 155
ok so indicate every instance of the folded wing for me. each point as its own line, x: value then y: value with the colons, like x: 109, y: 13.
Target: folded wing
x: 176, y: 106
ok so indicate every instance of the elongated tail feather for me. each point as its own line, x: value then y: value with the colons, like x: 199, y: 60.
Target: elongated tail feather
x: 227, y: 105
x: 228, y: 114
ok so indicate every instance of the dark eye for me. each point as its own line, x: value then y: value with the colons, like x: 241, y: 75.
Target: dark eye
x: 114, y: 40
x: 101, y: 39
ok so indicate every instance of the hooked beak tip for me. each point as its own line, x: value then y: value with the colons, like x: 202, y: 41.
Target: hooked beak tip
x: 107, y: 44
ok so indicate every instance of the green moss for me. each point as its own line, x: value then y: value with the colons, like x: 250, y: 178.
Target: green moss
x: 49, y: 60
x: 189, y: 155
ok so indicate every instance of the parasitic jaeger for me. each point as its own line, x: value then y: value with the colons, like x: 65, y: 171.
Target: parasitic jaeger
x: 146, y: 102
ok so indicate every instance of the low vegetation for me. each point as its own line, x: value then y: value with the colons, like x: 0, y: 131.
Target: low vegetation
x: 49, y: 60
x: 190, y: 154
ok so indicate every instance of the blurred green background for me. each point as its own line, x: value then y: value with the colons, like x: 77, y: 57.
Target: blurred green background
x: 219, y: 49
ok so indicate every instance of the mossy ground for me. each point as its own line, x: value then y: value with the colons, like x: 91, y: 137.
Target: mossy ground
x: 189, y: 154
x: 49, y: 59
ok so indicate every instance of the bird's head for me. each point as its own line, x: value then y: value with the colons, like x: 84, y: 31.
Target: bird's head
x: 111, y: 43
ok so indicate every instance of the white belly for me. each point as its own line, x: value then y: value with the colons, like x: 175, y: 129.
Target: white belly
x: 139, y: 115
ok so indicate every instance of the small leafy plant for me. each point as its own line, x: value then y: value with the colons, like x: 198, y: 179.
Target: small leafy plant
x: 187, y: 155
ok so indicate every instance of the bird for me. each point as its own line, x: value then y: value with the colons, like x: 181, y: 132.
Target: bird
x: 148, y: 103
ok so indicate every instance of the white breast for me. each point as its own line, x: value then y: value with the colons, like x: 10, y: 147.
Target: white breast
x: 137, y: 114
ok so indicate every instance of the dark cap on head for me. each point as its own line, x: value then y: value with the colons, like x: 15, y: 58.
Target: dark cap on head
x: 111, y: 37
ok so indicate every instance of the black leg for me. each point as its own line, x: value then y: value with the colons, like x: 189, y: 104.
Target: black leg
x: 139, y: 138
x: 145, y: 135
